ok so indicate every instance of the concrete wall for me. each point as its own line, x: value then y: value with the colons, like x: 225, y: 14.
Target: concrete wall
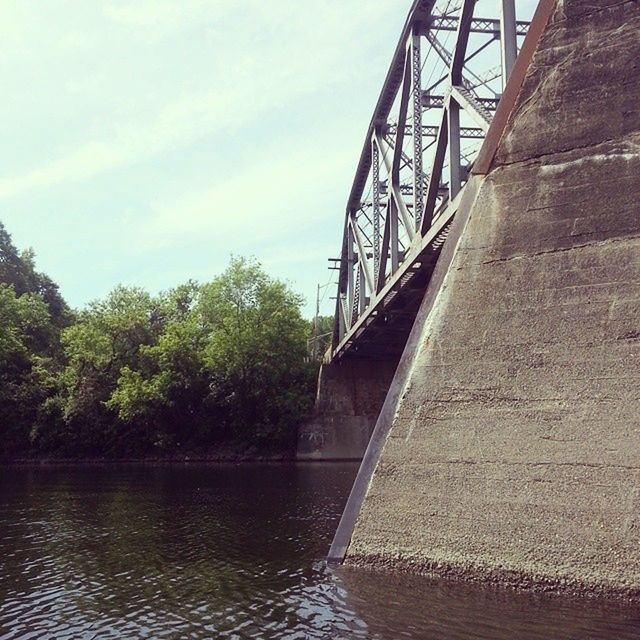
x: 350, y: 395
x: 514, y: 454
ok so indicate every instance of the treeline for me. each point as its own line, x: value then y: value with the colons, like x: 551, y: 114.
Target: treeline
x: 190, y: 369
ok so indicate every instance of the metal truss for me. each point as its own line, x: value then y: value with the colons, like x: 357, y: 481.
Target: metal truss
x: 435, y: 107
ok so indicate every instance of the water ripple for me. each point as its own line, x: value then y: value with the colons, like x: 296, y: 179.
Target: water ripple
x: 230, y: 552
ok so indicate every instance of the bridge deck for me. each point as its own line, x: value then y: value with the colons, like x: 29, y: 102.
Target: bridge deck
x: 383, y: 329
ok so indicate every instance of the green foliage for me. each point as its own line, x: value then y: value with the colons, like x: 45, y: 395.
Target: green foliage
x: 27, y: 363
x: 106, y: 339
x: 255, y: 351
x: 18, y: 270
x: 135, y: 373
x: 320, y: 336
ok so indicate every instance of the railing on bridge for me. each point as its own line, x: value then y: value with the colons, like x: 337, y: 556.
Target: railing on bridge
x: 435, y: 107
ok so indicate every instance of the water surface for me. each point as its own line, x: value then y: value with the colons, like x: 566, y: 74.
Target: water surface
x: 232, y: 552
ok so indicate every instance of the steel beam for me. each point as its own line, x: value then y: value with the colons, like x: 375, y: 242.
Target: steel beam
x: 472, y: 106
x: 393, y: 236
x: 455, y: 171
x: 478, y: 25
x: 351, y: 289
x: 375, y: 186
x: 462, y: 39
x: 430, y: 101
x: 436, y: 173
x: 431, y: 131
x: 401, y: 206
x: 384, y: 253
x: 416, y: 113
x: 362, y: 298
x: 508, y: 38
x: 362, y: 259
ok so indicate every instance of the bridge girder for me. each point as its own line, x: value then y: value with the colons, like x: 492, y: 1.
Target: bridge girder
x: 433, y: 112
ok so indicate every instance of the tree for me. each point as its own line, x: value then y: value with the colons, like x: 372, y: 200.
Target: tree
x: 107, y: 338
x: 18, y: 270
x: 320, y: 336
x: 167, y: 390
x: 255, y: 352
x: 27, y: 366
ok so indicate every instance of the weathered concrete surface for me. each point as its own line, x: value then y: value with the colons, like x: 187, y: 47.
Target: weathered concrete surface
x: 350, y: 395
x: 514, y: 455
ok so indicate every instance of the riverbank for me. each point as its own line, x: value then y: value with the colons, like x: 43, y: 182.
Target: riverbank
x: 502, y: 578
x: 228, y: 453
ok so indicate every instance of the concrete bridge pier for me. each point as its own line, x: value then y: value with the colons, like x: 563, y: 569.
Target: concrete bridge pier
x: 350, y: 395
x: 507, y: 451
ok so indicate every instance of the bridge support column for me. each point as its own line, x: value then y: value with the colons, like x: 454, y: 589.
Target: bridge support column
x: 350, y: 395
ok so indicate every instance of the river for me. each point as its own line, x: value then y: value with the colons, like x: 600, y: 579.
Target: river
x: 232, y: 552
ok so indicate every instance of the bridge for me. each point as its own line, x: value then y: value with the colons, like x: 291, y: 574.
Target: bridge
x: 435, y: 107
x: 484, y: 363
x: 438, y: 101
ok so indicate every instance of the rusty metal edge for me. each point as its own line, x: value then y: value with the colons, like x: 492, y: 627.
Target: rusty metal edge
x: 384, y: 422
x: 482, y: 165
x: 483, y: 162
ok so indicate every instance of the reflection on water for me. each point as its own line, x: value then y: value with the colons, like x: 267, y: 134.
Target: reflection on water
x: 436, y: 609
x: 226, y: 551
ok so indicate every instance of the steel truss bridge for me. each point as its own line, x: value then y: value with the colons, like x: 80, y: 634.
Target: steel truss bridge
x: 437, y: 102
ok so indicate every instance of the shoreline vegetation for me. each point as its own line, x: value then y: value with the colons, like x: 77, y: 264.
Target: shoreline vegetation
x: 217, y: 370
x: 239, y: 452
x: 170, y: 459
x: 227, y: 457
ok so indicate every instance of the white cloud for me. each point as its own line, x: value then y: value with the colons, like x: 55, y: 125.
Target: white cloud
x: 127, y: 143
x: 249, y: 83
x: 271, y: 197
x: 155, y: 19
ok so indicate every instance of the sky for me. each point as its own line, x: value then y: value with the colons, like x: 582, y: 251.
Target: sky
x: 144, y: 142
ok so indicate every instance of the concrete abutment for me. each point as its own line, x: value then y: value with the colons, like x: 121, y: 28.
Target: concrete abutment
x: 350, y: 395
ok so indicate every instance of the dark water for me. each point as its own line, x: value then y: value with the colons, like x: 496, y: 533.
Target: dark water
x: 231, y: 552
